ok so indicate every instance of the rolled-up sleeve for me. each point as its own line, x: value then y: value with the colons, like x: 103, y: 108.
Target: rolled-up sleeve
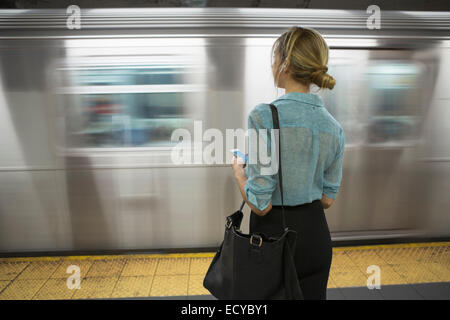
x: 333, y: 174
x: 259, y: 187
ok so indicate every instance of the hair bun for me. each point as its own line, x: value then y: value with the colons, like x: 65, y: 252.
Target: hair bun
x: 322, y: 79
x: 316, y: 73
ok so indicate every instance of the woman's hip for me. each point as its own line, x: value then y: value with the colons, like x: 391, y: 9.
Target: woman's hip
x: 313, y: 251
x: 306, y: 219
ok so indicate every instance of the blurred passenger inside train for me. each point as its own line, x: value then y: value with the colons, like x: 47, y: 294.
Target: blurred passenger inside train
x: 312, y: 150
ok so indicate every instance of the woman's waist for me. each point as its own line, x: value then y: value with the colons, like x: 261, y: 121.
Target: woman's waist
x: 277, y: 204
x: 308, y: 206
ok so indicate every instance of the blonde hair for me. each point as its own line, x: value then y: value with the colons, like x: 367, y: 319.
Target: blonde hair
x: 304, y: 54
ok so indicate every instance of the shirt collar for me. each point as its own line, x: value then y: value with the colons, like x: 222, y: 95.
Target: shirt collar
x: 309, y: 98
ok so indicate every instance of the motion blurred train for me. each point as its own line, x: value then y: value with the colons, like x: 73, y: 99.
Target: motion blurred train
x: 86, y: 117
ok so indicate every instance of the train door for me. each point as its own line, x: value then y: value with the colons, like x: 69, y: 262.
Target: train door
x: 118, y: 103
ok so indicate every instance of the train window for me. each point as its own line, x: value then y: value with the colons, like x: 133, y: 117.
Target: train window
x: 127, y: 106
x: 127, y: 120
x: 128, y: 76
x: 377, y: 101
x: 394, y: 94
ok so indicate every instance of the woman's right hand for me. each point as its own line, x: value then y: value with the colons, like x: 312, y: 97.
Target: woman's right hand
x: 326, y: 202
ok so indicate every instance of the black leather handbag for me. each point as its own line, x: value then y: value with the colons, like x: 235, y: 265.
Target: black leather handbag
x: 254, y: 266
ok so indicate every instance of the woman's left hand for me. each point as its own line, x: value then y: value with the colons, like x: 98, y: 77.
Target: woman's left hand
x: 238, y: 167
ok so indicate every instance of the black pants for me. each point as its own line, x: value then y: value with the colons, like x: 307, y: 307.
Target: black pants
x: 313, y: 251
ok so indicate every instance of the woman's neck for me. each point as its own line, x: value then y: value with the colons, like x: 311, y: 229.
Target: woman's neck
x: 294, y: 86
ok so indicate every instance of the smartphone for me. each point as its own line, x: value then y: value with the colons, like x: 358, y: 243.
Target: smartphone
x: 239, y: 154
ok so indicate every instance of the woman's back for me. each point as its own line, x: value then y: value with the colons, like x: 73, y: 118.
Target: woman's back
x: 312, y: 145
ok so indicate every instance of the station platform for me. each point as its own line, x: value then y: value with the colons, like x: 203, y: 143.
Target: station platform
x: 408, y: 271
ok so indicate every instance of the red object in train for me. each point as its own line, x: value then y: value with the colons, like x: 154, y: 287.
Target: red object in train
x: 106, y: 108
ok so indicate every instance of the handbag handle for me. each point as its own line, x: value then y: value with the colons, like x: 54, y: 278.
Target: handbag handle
x: 276, y: 125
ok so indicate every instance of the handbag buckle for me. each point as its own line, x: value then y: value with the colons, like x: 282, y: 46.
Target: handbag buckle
x: 256, y: 236
x: 229, y: 223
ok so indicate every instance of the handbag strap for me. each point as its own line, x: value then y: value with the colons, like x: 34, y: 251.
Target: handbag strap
x: 276, y: 125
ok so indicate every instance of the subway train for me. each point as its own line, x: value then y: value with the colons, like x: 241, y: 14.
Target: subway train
x: 87, y: 117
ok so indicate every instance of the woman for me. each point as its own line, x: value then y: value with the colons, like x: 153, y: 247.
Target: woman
x: 312, y: 148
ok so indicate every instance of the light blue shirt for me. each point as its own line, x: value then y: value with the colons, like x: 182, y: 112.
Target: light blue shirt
x: 312, y: 151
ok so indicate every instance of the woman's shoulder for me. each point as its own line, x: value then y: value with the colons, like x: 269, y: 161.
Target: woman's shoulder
x: 261, y: 115
x: 260, y: 109
x: 332, y: 122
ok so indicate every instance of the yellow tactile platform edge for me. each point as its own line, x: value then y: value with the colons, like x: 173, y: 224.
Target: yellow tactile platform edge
x: 180, y: 274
